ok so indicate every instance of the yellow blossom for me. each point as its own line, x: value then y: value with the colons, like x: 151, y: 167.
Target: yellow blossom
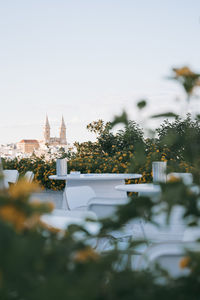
x: 37, y: 204
x: 184, y: 71
x: 32, y: 221
x: 85, y: 255
x: 22, y: 189
x: 12, y: 215
x: 184, y: 262
x: 173, y: 179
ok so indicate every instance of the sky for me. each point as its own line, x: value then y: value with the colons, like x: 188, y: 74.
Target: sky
x: 89, y: 59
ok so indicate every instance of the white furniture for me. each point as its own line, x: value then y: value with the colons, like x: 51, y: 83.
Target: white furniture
x: 61, y: 219
x: 3, y: 182
x: 84, y: 198
x: 10, y: 176
x: 103, y: 185
x: 78, y: 197
x: 153, y: 233
x: 105, y: 208
x: 168, y: 255
x: 146, y: 188
x: 74, y: 214
x: 191, y: 234
x: 187, y: 178
x: 29, y: 175
x: 159, y: 171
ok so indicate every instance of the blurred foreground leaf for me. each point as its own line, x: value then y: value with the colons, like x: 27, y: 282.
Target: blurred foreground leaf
x: 165, y: 115
x: 141, y: 104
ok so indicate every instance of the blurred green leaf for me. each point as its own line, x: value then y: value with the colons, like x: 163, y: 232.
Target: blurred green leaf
x: 141, y: 104
x: 165, y: 115
x: 123, y: 118
x: 198, y: 117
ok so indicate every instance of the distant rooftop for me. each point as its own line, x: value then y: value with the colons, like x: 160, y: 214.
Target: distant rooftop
x: 29, y: 141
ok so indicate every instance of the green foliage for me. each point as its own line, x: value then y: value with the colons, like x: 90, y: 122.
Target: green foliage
x: 141, y: 104
x: 123, y: 118
x: 123, y: 140
x: 180, y: 140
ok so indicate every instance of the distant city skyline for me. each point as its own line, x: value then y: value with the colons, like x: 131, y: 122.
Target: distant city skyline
x: 88, y: 60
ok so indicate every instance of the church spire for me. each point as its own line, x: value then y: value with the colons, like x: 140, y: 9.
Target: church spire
x: 47, y: 122
x: 63, y: 123
x: 63, y: 132
x: 47, y: 131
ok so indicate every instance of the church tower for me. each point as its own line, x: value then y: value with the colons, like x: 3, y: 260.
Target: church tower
x: 63, y: 133
x: 47, y: 131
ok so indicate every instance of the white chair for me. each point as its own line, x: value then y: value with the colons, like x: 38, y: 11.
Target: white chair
x: 105, y: 208
x: 162, y: 231
x: 84, y: 198
x: 191, y: 234
x: 3, y: 182
x: 61, y: 219
x: 74, y: 214
x: 29, y: 176
x: 78, y: 197
x: 11, y: 176
x: 168, y: 255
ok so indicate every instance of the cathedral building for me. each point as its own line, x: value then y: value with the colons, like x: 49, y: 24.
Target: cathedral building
x: 30, y: 146
x: 55, y: 141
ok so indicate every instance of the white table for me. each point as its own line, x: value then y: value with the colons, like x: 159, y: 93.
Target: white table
x: 143, y: 188
x: 103, y: 185
x: 79, y: 218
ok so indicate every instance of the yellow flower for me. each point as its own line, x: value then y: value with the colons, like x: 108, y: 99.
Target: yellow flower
x: 32, y: 221
x: 184, y: 71
x: 12, y: 215
x: 173, y: 179
x: 184, y: 262
x: 85, y: 255
x: 37, y: 204
x: 22, y: 189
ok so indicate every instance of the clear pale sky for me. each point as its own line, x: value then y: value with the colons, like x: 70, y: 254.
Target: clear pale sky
x: 88, y: 59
